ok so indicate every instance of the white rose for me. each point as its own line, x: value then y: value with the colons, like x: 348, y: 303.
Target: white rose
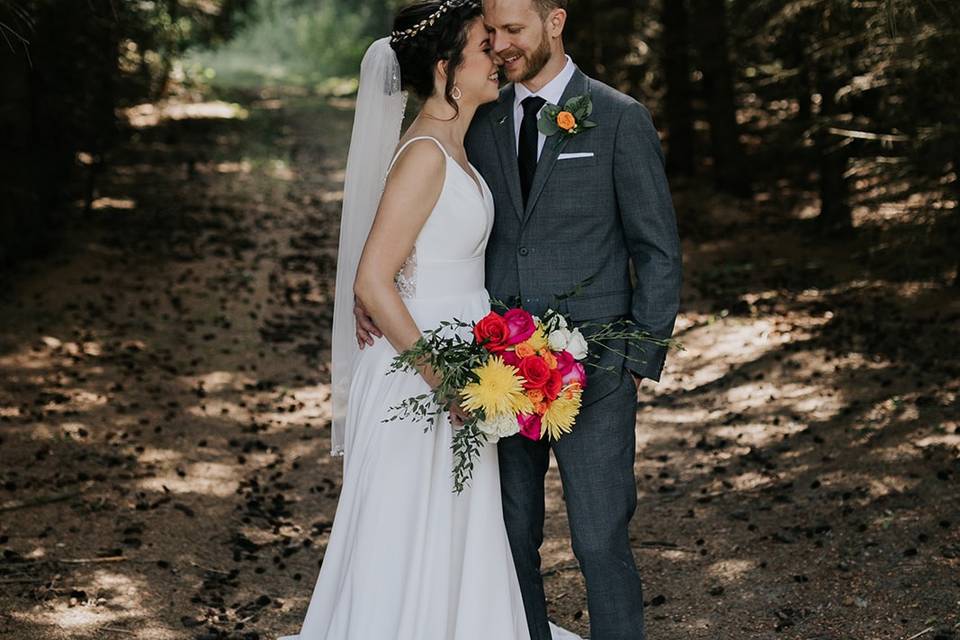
x: 559, y: 339
x: 557, y: 321
x: 577, y: 346
x: 499, y: 427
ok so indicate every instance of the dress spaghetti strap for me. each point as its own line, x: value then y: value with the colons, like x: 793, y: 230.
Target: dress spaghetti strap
x: 405, y: 144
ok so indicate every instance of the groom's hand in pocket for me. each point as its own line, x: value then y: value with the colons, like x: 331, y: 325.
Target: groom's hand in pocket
x: 366, y: 328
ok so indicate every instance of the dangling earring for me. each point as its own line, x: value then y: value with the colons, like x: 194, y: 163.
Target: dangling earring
x: 456, y: 94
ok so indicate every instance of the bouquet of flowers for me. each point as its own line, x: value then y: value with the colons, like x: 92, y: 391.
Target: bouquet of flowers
x: 515, y: 373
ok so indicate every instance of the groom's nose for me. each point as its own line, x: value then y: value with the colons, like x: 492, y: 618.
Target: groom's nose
x: 498, y: 42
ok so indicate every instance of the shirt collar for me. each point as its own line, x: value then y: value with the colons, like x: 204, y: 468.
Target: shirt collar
x: 552, y: 92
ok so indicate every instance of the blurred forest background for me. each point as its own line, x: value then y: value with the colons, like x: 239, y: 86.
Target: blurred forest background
x: 852, y: 100
x: 171, y: 176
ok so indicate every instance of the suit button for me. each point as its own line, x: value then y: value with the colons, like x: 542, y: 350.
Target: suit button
x: 524, y: 251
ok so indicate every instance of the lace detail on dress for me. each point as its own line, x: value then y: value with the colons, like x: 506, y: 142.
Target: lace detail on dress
x: 406, y: 278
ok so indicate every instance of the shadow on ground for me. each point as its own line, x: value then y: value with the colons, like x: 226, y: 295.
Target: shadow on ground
x: 164, y: 416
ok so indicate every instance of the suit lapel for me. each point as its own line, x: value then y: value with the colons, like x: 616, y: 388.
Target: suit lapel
x: 504, y: 132
x: 551, y: 148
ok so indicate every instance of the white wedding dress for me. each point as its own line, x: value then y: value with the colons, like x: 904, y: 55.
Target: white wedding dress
x: 407, y: 558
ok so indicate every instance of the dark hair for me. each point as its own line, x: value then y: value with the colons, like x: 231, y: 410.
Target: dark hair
x: 442, y: 39
x: 544, y: 7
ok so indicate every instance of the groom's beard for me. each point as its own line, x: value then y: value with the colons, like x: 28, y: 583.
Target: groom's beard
x: 537, y: 60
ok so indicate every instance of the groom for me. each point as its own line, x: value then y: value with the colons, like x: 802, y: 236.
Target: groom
x: 569, y: 211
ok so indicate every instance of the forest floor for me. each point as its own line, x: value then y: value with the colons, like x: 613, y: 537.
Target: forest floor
x: 164, y: 432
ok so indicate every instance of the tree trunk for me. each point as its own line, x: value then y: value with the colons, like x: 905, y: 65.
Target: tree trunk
x: 710, y: 32
x: 956, y: 210
x: 599, y: 35
x: 835, y: 212
x: 581, y: 40
x: 678, y: 99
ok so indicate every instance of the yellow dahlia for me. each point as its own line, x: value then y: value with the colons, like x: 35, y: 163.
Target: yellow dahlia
x: 498, y: 392
x: 561, y: 414
x: 538, y: 340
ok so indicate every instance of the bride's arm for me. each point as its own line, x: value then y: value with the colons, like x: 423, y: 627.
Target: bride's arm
x: 410, y: 194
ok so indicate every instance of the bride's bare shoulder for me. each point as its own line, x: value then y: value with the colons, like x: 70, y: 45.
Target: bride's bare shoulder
x: 415, y: 181
x: 421, y: 160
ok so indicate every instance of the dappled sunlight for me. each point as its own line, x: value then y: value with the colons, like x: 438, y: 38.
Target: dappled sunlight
x: 37, y: 553
x: 155, y: 454
x: 268, y: 104
x: 753, y: 480
x: 673, y: 555
x: 710, y: 353
x: 331, y: 197
x: 280, y: 170
x: 731, y: 571
x: 558, y: 549
x: 151, y: 114
x: 233, y: 395
x: 315, y: 450
x: 942, y: 439
x: 120, y: 204
x: 241, y: 167
x: 217, y: 381
x: 112, y: 598
x: 878, y: 485
x: 204, y: 478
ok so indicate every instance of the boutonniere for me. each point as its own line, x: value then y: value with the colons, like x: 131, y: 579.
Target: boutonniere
x: 568, y: 120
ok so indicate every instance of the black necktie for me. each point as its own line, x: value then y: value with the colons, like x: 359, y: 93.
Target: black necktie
x: 529, y: 137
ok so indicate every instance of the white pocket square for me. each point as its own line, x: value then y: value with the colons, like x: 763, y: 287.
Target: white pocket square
x: 571, y: 156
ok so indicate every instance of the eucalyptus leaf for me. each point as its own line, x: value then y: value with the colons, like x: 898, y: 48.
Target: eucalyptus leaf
x: 578, y: 106
x: 548, y: 125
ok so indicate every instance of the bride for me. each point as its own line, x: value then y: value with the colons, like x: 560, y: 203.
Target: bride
x: 407, y: 558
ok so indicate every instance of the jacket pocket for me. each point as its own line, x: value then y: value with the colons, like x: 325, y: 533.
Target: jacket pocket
x: 595, y: 306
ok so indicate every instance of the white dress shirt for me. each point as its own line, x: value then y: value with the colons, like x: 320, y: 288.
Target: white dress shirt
x: 552, y: 92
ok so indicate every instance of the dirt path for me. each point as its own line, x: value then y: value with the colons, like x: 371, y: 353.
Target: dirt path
x: 163, y: 413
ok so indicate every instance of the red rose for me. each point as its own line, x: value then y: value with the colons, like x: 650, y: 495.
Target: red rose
x: 521, y: 325
x: 535, y: 371
x: 492, y: 332
x: 552, y: 387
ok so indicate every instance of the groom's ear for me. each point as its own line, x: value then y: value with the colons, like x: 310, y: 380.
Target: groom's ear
x: 556, y: 21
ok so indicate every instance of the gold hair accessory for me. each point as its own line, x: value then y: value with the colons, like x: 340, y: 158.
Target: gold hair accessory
x: 429, y: 21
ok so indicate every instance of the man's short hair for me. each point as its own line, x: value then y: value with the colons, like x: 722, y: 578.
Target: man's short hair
x: 544, y: 7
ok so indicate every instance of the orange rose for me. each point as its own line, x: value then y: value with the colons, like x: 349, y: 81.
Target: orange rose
x: 550, y: 359
x: 566, y: 121
x: 535, y: 395
x: 524, y: 350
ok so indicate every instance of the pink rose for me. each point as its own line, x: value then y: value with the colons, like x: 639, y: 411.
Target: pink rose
x: 565, y: 362
x: 511, y: 358
x: 520, y: 325
x: 576, y: 374
x: 529, y: 425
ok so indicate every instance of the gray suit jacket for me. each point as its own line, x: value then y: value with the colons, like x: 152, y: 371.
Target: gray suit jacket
x: 586, y: 219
